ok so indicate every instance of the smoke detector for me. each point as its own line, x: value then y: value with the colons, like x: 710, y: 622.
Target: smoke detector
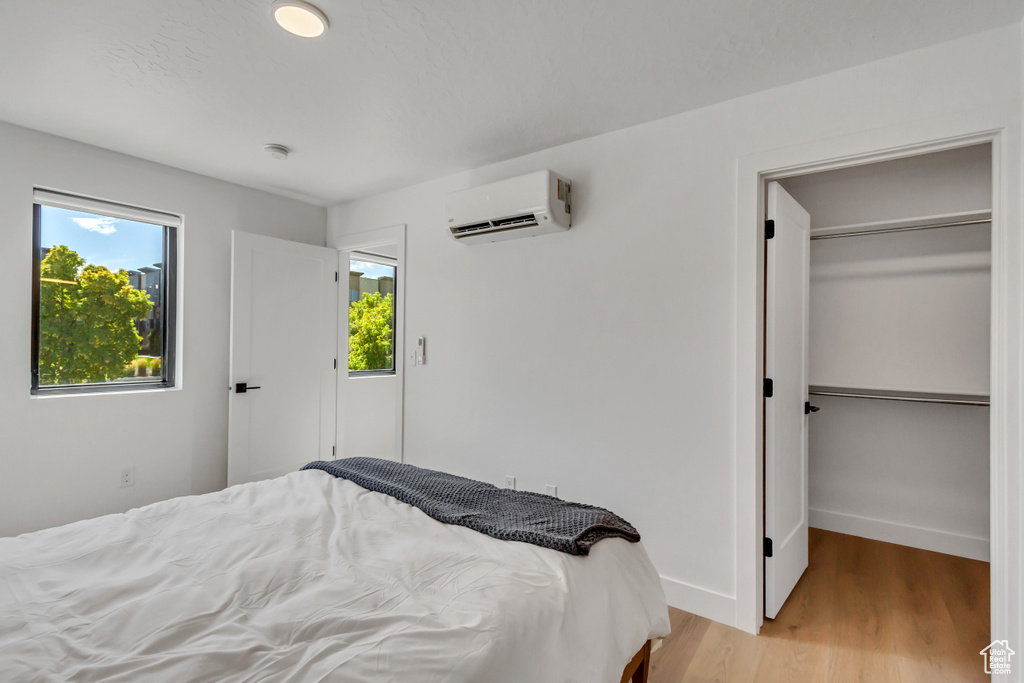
x: 277, y: 151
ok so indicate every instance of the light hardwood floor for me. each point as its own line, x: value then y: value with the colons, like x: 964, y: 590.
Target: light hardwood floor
x: 863, y: 611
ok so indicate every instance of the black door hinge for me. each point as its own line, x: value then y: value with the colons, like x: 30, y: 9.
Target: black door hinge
x: 767, y: 547
x: 335, y: 363
x: 335, y: 276
x: 769, y: 229
x: 769, y: 388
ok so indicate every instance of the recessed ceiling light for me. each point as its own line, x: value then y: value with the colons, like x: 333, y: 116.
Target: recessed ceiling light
x: 300, y: 18
x: 277, y: 151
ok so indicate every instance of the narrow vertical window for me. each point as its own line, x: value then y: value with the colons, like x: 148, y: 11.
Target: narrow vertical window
x: 371, y: 315
x: 103, y: 306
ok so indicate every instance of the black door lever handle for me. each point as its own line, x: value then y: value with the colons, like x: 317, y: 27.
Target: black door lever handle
x: 808, y: 408
x: 242, y: 387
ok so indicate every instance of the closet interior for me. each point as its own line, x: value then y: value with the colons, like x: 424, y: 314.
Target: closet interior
x: 900, y: 293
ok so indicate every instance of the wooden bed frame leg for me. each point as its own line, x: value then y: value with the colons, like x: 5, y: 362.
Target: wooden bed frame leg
x: 638, y: 668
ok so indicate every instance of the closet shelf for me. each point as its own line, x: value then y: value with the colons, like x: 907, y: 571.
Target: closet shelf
x: 947, y: 220
x: 894, y: 395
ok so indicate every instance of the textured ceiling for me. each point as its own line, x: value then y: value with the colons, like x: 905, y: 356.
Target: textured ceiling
x: 400, y: 91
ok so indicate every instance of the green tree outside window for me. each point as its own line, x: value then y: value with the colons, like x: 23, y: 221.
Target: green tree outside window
x: 86, y: 320
x: 370, y: 337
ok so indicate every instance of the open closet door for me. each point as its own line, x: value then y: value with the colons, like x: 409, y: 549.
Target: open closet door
x: 787, y: 298
x: 284, y: 308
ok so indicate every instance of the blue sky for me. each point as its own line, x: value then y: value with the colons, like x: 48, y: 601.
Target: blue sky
x: 117, y: 243
x: 374, y: 271
x: 112, y: 242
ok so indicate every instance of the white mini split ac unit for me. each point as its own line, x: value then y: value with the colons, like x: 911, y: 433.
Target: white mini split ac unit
x: 526, y: 206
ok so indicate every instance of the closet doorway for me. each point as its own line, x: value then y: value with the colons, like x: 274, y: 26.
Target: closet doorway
x: 898, y: 364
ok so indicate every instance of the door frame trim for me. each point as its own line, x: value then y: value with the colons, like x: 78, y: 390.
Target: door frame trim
x: 999, y: 126
x: 367, y: 240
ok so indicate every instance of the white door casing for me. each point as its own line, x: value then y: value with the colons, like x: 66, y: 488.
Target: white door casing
x: 284, y: 306
x: 787, y: 290
x: 998, y: 125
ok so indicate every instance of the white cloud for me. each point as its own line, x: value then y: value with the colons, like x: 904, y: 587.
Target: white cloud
x: 373, y: 271
x: 101, y: 224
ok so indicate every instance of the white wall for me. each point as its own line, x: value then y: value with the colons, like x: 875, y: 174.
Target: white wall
x: 928, y: 184
x: 1011, y: 540
x: 905, y: 311
x: 916, y: 474
x: 549, y: 362
x: 61, y: 456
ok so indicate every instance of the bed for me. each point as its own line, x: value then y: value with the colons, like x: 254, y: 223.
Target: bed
x: 311, y: 577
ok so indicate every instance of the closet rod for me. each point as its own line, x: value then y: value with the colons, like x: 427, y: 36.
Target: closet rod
x: 908, y: 228
x: 912, y: 396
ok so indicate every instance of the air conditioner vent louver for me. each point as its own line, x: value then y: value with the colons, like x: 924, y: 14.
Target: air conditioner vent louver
x: 525, y: 206
x: 475, y: 227
x: 499, y: 225
x: 524, y: 220
x: 492, y: 227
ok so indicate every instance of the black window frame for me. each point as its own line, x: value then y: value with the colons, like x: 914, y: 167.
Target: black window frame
x: 168, y: 307
x: 392, y: 262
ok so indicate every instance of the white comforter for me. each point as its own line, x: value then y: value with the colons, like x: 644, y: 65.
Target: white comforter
x: 312, y: 578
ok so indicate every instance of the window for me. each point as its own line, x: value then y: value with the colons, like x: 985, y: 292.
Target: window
x: 103, y: 304
x: 371, y: 315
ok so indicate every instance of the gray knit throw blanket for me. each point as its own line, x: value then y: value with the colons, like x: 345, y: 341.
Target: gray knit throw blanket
x: 501, y: 513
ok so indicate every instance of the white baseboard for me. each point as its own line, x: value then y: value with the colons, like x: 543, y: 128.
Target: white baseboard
x: 971, y: 547
x: 700, y: 601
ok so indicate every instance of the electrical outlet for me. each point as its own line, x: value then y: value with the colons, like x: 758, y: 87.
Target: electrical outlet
x: 128, y: 476
x: 551, y: 490
x: 510, y: 481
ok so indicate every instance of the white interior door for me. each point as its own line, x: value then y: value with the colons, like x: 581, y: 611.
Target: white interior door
x: 786, y: 356
x: 370, y: 409
x: 284, y: 307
